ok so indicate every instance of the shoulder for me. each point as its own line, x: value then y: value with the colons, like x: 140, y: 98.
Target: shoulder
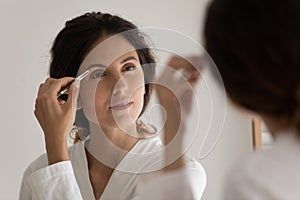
x: 192, y: 164
x: 241, y: 182
x: 247, y: 169
x: 188, y: 182
x: 194, y: 176
x: 267, y: 164
x: 261, y: 173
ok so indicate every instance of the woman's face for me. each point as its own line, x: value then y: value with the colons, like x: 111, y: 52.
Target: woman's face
x: 113, y: 92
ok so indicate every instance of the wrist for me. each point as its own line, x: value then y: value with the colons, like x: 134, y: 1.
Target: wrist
x: 57, y: 151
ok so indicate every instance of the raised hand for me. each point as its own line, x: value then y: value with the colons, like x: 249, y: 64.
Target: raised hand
x: 56, y: 116
x: 175, y: 91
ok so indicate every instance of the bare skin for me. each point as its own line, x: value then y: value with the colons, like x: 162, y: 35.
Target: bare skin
x: 55, y: 117
x: 99, y: 175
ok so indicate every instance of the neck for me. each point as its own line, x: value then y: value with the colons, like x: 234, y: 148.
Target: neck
x: 109, y: 145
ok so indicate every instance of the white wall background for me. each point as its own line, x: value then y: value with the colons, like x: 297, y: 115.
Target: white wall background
x: 27, y: 31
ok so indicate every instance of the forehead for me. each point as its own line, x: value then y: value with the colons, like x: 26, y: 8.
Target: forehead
x: 107, y: 51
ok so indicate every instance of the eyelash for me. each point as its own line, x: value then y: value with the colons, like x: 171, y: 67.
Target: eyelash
x: 98, y: 74
x: 101, y: 74
x: 126, y: 67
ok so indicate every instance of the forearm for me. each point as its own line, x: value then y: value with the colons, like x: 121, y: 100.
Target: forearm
x: 57, y: 150
x: 174, y: 149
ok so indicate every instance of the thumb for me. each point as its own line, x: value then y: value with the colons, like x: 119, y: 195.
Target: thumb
x: 74, y: 92
x: 186, y: 101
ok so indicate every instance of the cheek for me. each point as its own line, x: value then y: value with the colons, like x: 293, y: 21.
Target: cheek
x: 138, y: 97
x: 139, y: 90
x: 87, y: 97
x: 136, y: 82
x: 101, y: 98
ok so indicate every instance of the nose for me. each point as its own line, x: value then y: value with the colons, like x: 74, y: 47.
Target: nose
x: 120, y: 86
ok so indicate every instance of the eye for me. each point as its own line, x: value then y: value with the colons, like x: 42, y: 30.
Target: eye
x: 129, y: 68
x: 98, y: 74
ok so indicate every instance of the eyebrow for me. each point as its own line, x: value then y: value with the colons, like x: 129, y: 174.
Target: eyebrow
x: 96, y: 65
x: 104, y: 66
x: 127, y: 59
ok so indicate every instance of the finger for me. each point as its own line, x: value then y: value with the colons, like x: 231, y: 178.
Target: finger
x: 48, y: 83
x: 36, y: 103
x: 48, y: 100
x: 178, y: 63
x: 194, y: 78
x: 42, y: 89
x: 73, y: 95
x: 45, y: 86
x: 190, y: 63
x: 39, y: 116
x: 186, y: 102
x: 58, y: 84
x: 185, y: 69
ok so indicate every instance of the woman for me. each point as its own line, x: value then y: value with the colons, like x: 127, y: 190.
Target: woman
x: 255, y: 45
x: 110, y: 101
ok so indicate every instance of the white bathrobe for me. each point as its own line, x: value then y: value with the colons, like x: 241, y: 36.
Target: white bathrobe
x: 269, y: 174
x: 70, y: 179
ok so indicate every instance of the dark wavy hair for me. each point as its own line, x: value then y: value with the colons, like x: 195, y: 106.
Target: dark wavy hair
x: 256, y: 47
x: 77, y: 38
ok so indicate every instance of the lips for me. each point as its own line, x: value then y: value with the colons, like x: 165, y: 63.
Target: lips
x: 121, y: 105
